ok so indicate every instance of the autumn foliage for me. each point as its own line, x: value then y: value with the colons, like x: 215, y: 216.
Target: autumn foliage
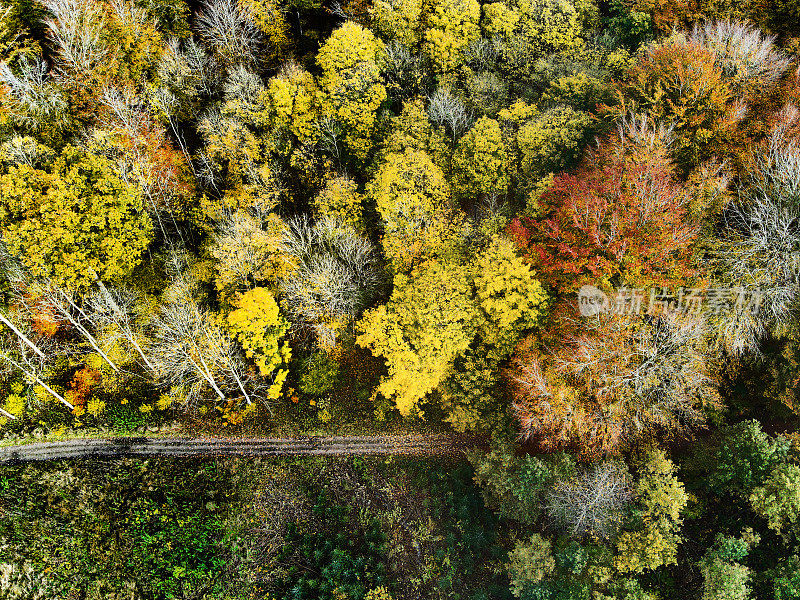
x: 682, y: 83
x: 598, y: 388
x: 618, y: 219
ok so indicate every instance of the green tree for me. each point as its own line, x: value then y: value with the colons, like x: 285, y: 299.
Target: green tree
x: 778, y: 500
x: 725, y: 578
x: 472, y: 394
x: 746, y: 457
x: 786, y: 578
x: 513, y: 485
x: 333, y: 557
x: 14, y: 34
x: 73, y: 220
x: 320, y: 374
x: 529, y: 562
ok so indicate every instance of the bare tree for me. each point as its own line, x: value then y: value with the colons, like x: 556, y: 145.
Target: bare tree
x: 137, y: 159
x: 185, y: 72
x: 334, y: 274
x: 230, y: 29
x: 746, y: 56
x: 482, y: 54
x: 8, y: 36
x: 776, y: 168
x: 37, y: 102
x: 590, y: 504
x: 760, y: 253
x: 20, y: 356
x: 403, y: 70
x: 242, y: 251
x: 134, y: 17
x: 75, y: 28
x: 615, y: 380
x: 21, y: 335
x: 737, y: 332
x: 653, y: 369
x: 115, y: 310
x: 448, y: 111
x: 245, y: 88
x: 179, y: 349
x: 330, y: 138
x: 190, y: 351
x: 64, y: 305
x: 642, y: 132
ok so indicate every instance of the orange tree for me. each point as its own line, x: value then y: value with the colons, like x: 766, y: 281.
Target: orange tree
x: 681, y: 83
x: 603, y: 384
x: 621, y: 218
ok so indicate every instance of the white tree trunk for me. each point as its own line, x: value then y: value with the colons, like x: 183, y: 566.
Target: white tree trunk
x: 21, y: 336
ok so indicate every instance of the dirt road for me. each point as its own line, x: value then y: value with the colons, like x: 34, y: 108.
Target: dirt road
x: 422, y: 445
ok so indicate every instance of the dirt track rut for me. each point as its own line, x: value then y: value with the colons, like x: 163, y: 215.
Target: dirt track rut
x: 422, y: 445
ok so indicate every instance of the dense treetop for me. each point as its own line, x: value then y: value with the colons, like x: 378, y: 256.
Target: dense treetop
x: 286, y: 216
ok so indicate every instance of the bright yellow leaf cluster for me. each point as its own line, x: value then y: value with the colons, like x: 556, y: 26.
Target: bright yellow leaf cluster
x: 351, y: 83
x: 259, y: 327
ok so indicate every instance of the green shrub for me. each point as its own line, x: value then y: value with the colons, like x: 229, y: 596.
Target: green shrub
x: 320, y: 374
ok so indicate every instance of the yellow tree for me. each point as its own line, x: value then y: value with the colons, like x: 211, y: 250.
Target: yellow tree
x: 239, y: 149
x: 511, y: 301
x: 451, y: 25
x: 398, y: 19
x: 340, y: 200
x: 531, y: 28
x: 259, y: 327
x: 74, y: 219
x: 413, y: 200
x: 351, y: 84
x: 293, y: 101
x: 269, y: 17
x: 480, y: 163
x: 428, y: 322
x: 436, y: 318
x: 660, y: 499
x: 412, y: 129
x: 507, y: 289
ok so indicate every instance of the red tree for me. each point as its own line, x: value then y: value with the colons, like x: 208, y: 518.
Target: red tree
x: 621, y: 219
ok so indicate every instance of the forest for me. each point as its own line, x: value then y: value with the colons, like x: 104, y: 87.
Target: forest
x: 569, y: 229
